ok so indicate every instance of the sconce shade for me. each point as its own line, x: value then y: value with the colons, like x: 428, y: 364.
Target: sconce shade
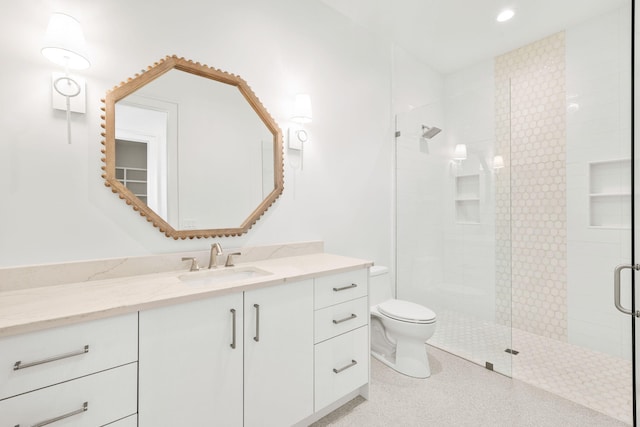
x: 64, y: 42
x: 498, y: 162
x: 302, y: 109
x: 460, y: 152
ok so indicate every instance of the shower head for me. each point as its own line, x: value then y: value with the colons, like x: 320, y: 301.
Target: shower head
x: 430, y: 132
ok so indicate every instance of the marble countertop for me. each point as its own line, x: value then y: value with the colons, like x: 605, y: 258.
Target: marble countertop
x: 38, y: 308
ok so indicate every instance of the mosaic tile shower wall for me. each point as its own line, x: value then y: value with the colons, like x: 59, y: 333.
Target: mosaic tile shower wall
x: 531, y: 239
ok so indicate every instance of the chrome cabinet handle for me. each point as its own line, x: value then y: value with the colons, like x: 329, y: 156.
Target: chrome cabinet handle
x: 19, y: 365
x: 350, y: 365
x: 85, y: 408
x: 353, y: 316
x: 344, y: 288
x: 616, y: 288
x: 233, y: 328
x: 257, y: 337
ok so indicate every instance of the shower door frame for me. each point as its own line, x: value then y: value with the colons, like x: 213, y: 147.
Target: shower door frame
x: 635, y: 296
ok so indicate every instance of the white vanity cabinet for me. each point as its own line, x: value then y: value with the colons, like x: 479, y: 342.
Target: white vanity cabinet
x: 279, y: 349
x: 341, y: 336
x: 84, y: 374
x: 278, y: 361
x: 197, y: 369
x: 191, y: 364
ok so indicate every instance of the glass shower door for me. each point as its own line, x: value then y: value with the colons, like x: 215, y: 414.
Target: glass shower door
x: 450, y: 243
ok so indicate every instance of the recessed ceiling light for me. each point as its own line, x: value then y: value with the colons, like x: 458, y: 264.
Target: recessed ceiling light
x: 505, y: 15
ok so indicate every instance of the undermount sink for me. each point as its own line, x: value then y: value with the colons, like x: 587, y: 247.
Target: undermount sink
x: 223, y: 275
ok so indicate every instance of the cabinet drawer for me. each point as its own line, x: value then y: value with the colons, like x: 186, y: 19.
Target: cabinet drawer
x: 340, y: 318
x: 341, y: 287
x: 51, y: 356
x: 109, y: 395
x: 342, y: 365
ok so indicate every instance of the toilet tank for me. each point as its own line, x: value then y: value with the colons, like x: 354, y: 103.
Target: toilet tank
x: 379, y: 285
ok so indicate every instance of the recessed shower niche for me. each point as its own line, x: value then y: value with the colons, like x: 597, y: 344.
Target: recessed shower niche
x: 467, y: 199
x: 610, y: 194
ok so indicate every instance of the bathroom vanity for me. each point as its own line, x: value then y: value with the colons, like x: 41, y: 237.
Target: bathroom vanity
x: 274, y: 342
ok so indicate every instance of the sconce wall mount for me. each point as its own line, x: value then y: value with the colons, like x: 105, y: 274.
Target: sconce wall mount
x: 297, y: 135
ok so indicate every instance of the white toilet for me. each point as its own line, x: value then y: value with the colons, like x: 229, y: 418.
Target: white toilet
x: 399, y: 329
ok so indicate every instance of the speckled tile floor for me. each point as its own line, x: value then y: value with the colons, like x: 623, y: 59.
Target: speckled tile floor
x: 459, y: 393
x: 596, y: 380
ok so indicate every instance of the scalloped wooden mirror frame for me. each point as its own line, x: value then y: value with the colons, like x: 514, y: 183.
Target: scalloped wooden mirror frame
x: 109, y: 131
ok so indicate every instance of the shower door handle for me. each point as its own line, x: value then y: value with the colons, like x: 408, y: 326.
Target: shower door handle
x: 616, y: 288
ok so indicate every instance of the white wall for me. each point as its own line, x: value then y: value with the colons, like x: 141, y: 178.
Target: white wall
x: 469, y: 226
x: 418, y: 93
x: 598, y: 129
x: 55, y: 206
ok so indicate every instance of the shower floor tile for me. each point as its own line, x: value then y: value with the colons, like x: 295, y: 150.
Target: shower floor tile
x: 595, y: 380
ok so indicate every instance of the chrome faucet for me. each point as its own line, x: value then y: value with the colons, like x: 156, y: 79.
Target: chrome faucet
x: 216, y: 250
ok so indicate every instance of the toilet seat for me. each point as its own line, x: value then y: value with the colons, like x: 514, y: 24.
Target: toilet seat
x: 406, y: 311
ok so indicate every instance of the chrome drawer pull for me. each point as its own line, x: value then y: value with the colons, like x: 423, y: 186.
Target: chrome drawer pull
x: 353, y: 316
x: 350, y: 365
x: 19, y: 365
x: 344, y: 288
x: 233, y: 328
x: 85, y: 408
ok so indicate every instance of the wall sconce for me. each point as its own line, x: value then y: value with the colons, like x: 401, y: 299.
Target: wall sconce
x: 297, y: 135
x: 498, y: 163
x: 64, y: 45
x: 460, y: 153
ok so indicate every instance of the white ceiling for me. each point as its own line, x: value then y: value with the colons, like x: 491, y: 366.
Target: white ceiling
x: 451, y: 34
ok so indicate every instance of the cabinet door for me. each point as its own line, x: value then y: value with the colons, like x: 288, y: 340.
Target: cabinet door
x: 189, y: 373
x: 341, y: 366
x: 278, y: 365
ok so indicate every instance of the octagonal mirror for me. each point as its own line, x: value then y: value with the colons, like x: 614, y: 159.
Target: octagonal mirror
x: 192, y: 149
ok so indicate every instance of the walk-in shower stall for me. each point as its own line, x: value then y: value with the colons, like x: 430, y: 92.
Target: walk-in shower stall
x: 511, y: 218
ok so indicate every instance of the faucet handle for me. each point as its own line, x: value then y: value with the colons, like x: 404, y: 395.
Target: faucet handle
x: 194, y: 263
x: 229, y: 262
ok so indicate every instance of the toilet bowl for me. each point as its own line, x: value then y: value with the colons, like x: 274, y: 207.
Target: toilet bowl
x: 399, y: 329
